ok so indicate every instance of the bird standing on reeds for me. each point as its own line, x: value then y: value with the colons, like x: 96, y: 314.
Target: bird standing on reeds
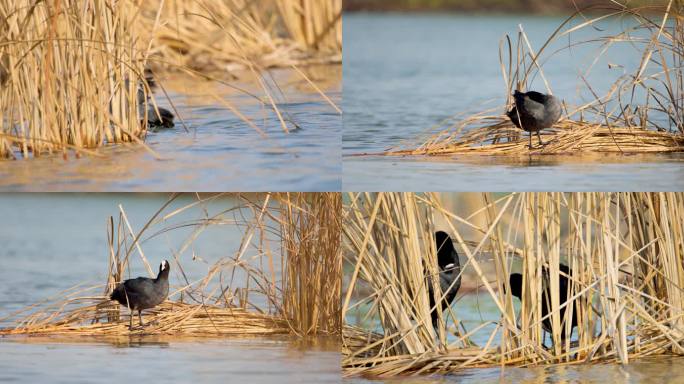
x: 534, y: 111
x: 449, y: 268
x: 516, y: 282
x: 143, y: 292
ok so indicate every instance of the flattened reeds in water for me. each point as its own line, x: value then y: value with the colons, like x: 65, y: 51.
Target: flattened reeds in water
x: 303, y: 301
x: 625, y: 288
x: 640, y: 113
x: 496, y: 135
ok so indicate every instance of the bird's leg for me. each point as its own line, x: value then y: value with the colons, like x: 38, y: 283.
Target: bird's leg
x: 541, y: 143
x: 140, y: 317
x: 530, y: 146
x: 130, y: 320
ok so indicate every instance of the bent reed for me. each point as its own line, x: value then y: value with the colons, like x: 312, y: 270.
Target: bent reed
x: 626, y: 251
x: 260, y: 289
x: 640, y: 113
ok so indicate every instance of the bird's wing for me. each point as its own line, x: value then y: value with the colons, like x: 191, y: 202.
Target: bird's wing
x: 534, y: 109
x: 139, y: 284
x: 537, y: 97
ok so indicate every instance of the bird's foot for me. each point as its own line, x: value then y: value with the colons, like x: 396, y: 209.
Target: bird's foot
x: 541, y: 144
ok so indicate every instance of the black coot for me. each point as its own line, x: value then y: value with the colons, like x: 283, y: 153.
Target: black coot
x: 165, y: 117
x: 534, y: 111
x: 563, y: 288
x: 143, y: 292
x: 449, y: 273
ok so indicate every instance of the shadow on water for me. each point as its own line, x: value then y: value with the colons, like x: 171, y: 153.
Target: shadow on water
x: 220, y: 151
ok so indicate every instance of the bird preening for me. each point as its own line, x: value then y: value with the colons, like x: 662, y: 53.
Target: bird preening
x: 143, y: 292
x: 534, y: 111
x: 449, y: 268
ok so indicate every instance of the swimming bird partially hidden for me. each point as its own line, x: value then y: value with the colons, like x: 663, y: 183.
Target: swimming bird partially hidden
x: 516, y: 281
x: 143, y: 292
x: 449, y: 268
x: 163, y: 119
x: 534, y: 111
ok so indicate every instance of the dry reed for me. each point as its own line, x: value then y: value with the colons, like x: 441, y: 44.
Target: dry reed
x: 640, y: 113
x: 311, y: 297
x: 303, y: 301
x: 626, y: 251
x: 71, y: 72
x: 70, y: 77
x: 236, y: 35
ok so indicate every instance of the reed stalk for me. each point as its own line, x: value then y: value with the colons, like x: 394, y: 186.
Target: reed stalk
x: 311, y: 237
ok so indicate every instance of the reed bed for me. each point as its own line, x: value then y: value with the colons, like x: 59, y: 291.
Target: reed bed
x: 496, y: 135
x: 625, y: 251
x: 72, y: 73
x: 261, y: 288
x: 236, y: 35
x: 640, y: 113
x: 314, y: 265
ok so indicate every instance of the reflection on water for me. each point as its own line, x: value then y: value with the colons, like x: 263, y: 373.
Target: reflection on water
x: 418, y: 70
x: 248, y: 360
x: 220, y: 153
x: 511, y: 174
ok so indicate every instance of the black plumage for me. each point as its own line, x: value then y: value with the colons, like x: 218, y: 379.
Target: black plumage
x: 143, y: 292
x: 163, y: 119
x: 449, y: 268
x: 534, y: 111
x: 516, y: 281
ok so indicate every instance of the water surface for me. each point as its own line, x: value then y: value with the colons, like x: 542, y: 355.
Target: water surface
x: 247, y: 360
x: 220, y: 152
x: 405, y: 73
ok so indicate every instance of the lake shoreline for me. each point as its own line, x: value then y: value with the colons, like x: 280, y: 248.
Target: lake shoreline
x: 492, y: 8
